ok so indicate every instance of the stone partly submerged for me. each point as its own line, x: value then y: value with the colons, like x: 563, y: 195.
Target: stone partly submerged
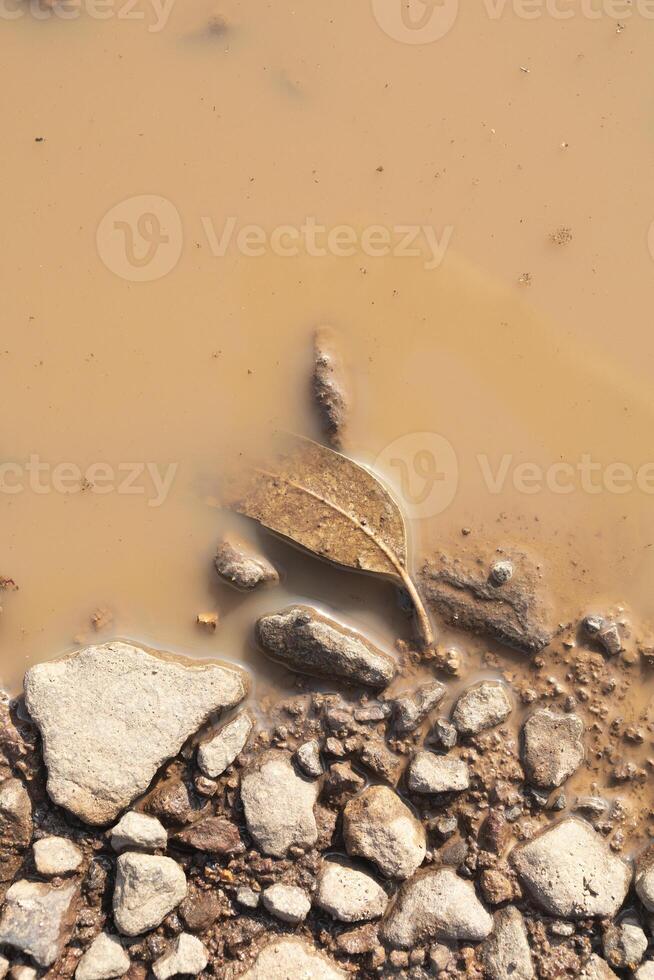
x: 306, y: 641
x: 114, y: 704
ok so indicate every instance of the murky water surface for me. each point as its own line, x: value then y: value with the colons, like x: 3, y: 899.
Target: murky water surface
x: 189, y: 191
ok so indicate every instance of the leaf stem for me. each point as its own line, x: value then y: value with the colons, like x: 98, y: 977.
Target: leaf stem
x: 424, y: 625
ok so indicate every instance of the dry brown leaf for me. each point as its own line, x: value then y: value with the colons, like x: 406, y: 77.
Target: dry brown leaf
x: 334, y: 508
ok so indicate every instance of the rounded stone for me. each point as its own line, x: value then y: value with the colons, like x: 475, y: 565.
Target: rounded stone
x: 379, y: 826
x: 348, y: 894
x: 147, y: 888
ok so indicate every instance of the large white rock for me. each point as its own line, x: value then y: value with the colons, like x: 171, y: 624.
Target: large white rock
x: 292, y: 959
x: 219, y: 752
x: 139, y: 832
x: 187, y: 956
x: 38, y: 919
x: 56, y: 856
x: 435, y: 905
x: 147, y: 888
x: 111, y: 715
x: 348, y: 894
x: 278, y: 805
x: 379, y: 826
x: 105, y: 959
x: 570, y: 871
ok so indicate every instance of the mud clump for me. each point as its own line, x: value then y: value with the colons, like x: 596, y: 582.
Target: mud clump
x: 329, y: 386
x: 509, y: 609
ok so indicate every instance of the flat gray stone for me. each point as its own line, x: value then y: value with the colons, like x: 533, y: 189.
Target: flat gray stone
x: 430, y: 773
x: 105, y: 959
x: 570, y: 871
x: 348, y: 894
x: 278, y: 805
x: 645, y: 878
x: 187, y: 956
x: 506, y: 954
x: 219, y: 753
x: 645, y: 972
x: 379, y: 826
x: 117, y: 702
x: 552, y: 746
x: 287, y: 902
x: 293, y: 959
x: 306, y: 641
x: 411, y: 709
x: 435, y: 905
x: 147, y: 888
x: 138, y: 832
x: 38, y: 919
x: 56, y: 856
x: 480, y: 708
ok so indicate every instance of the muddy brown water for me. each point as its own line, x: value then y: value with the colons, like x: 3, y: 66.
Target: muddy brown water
x: 501, y: 382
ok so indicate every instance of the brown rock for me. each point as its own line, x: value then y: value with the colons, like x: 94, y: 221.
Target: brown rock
x: 215, y: 835
x: 170, y: 800
x: 377, y: 757
x: 200, y: 909
x: 358, y: 941
x: 494, y: 833
x: 343, y: 781
x: 15, y: 816
x: 496, y: 887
